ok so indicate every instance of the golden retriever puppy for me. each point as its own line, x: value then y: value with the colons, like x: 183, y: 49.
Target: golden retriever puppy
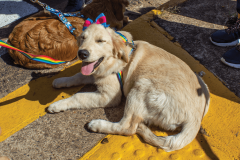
x: 160, y: 88
x: 43, y: 34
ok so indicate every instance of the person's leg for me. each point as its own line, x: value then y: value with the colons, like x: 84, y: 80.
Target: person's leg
x: 238, y: 8
x: 230, y: 36
x: 74, y: 5
x: 232, y: 56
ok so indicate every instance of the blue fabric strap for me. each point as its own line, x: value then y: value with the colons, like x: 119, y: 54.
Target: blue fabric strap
x: 62, y: 18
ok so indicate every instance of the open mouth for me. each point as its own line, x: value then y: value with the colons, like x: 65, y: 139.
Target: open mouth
x: 89, y: 67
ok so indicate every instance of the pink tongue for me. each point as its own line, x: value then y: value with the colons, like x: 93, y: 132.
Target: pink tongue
x: 87, y: 69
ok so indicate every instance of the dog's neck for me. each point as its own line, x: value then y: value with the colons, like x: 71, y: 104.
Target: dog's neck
x: 125, y: 40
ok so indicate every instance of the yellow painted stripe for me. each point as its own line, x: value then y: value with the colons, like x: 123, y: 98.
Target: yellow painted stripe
x: 221, y: 124
x: 29, y: 102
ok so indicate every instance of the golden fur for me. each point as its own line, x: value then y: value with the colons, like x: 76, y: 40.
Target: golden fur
x: 43, y: 34
x: 161, y: 89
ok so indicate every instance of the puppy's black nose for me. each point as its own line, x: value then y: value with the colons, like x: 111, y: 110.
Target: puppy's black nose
x: 83, y: 54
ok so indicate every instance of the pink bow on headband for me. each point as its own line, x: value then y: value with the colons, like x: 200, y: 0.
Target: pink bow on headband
x: 101, y: 19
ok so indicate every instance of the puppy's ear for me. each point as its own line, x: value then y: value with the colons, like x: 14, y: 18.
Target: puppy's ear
x: 118, y: 8
x: 119, y: 48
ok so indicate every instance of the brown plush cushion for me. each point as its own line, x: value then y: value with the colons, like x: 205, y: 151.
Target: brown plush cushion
x: 44, y: 36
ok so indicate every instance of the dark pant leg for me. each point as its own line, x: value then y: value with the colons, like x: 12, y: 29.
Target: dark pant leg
x: 238, y: 6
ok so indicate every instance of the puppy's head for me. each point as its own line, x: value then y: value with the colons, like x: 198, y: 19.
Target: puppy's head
x: 102, y: 51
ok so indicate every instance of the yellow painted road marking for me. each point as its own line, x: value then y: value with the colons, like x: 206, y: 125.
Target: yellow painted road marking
x: 221, y: 125
x: 29, y: 102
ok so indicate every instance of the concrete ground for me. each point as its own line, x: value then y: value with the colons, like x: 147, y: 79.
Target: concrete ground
x: 63, y: 135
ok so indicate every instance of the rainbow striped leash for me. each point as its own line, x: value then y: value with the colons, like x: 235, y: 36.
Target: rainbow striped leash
x: 120, y: 74
x: 126, y: 41
x: 120, y: 79
x: 38, y: 58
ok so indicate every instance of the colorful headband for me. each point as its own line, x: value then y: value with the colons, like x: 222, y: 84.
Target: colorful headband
x: 101, y: 19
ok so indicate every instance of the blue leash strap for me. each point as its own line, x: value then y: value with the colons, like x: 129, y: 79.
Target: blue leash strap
x: 60, y: 15
x: 62, y: 18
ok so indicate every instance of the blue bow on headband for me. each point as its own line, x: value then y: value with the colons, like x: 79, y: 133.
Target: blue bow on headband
x: 101, y: 19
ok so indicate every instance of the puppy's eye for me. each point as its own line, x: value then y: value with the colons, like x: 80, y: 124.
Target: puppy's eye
x: 101, y: 41
x: 82, y: 37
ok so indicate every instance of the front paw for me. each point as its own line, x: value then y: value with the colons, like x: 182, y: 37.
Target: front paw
x: 58, y: 106
x: 95, y: 125
x: 60, y: 82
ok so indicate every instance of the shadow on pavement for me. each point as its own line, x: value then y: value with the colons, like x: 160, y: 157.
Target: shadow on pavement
x: 41, y: 89
x: 206, y: 147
